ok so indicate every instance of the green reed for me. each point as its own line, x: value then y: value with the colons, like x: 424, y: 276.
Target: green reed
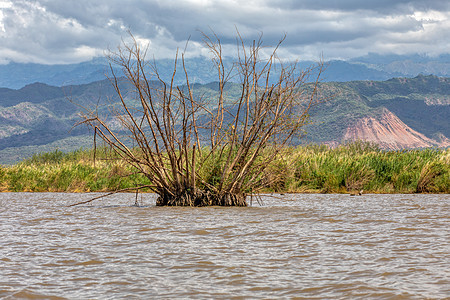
x: 319, y: 169
x: 363, y: 166
x: 69, y: 172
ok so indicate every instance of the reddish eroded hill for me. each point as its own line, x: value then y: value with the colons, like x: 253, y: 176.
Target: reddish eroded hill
x: 391, y: 133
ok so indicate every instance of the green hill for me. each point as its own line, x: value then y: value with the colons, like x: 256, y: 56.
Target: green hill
x: 40, y: 117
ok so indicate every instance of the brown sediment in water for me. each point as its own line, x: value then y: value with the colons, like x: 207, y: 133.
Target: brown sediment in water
x: 387, y: 246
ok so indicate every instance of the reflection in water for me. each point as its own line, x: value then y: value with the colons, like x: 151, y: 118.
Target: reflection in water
x: 324, y: 246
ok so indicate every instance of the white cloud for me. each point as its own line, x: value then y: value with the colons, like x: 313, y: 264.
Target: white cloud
x: 55, y: 31
x: 3, y: 5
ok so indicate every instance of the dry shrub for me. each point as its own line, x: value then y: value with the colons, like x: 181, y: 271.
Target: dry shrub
x: 177, y: 132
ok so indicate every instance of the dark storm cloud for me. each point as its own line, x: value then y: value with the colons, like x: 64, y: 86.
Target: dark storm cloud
x: 73, y: 30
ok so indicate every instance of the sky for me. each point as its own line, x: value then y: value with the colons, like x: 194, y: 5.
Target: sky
x: 71, y: 31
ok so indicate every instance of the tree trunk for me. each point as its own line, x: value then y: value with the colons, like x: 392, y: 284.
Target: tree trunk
x: 195, y: 197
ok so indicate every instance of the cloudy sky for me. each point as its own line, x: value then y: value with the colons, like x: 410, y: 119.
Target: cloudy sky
x: 68, y: 31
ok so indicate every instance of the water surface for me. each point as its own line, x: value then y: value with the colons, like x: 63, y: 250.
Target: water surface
x: 294, y: 246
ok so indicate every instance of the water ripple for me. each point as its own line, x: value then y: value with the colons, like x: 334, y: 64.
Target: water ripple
x: 295, y: 246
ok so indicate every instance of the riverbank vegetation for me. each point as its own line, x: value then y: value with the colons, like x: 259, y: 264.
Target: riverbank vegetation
x: 305, y: 169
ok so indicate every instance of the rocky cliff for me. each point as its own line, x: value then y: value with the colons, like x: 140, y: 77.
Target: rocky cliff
x: 390, y: 132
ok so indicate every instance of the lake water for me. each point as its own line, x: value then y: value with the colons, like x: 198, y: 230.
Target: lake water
x: 294, y: 246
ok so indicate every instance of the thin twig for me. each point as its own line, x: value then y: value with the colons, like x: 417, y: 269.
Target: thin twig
x: 111, y: 193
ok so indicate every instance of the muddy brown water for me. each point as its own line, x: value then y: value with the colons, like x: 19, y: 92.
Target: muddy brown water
x: 294, y: 246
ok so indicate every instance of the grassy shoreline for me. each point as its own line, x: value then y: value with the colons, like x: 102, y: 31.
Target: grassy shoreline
x: 304, y: 169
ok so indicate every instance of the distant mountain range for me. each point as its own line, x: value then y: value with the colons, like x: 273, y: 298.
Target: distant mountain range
x: 396, y: 113
x: 370, y: 67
